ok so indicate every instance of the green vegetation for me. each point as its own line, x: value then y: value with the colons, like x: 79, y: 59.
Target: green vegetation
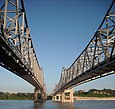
x: 16, y: 96
x: 95, y: 93
x: 81, y: 93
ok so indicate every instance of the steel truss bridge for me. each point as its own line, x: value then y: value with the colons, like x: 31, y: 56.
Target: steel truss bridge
x: 17, y: 53
x: 97, y: 59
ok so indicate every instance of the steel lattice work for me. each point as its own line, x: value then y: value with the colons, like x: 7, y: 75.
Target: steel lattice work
x: 96, y: 60
x: 17, y: 53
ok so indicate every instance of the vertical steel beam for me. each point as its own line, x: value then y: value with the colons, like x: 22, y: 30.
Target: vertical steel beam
x: 5, y: 13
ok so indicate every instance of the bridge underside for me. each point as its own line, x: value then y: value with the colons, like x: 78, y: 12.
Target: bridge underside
x: 96, y: 60
x: 10, y: 61
x: 103, y: 69
x: 89, y: 75
x: 17, y: 52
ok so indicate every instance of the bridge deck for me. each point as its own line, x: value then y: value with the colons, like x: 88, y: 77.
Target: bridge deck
x: 103, y: 69
x: 10, y: 61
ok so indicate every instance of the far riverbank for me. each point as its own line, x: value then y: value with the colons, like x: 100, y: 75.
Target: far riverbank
x: 94, y: 98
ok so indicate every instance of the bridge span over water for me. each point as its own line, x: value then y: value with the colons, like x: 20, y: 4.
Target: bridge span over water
x: 96, y: 60
x: 17, y: 52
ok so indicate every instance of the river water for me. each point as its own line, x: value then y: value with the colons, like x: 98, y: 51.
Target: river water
x: 28, y: 104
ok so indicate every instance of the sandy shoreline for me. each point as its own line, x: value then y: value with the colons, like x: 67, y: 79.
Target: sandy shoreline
x: 94, y: 98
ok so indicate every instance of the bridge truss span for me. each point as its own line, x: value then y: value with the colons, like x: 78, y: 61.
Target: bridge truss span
x: 17, y: 52
x: 96, y: 60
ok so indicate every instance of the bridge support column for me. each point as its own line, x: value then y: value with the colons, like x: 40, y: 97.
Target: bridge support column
x: 53, y: 98
x: 39, y: 95
x: 43, y: 96
x: 57, y: 97
x: 67, y: 96
x: 36, y: 95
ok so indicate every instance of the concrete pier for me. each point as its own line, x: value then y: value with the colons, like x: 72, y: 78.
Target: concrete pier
x: 65, y: 96
x: 57, y: 97
x: 36, y: 95
x: 39, y: 95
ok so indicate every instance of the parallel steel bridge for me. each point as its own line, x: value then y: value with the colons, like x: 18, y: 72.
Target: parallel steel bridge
x: 17, y: 52
x: 96, y: 60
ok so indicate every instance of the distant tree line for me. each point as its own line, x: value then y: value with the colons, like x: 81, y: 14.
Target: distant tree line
x: 16, y: 96
x: 81, y: 93
x: 95, y: 93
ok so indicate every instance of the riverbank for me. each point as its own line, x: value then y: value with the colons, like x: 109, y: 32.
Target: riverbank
x: 94, y: 98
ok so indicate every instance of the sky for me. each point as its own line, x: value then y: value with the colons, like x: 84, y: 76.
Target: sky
x: 60, y: 30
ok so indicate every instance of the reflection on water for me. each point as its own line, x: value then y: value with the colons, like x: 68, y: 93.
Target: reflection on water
x: 95, y: 104
x: 29, y: 104
x: 39, y: 106
x: 54, y: 105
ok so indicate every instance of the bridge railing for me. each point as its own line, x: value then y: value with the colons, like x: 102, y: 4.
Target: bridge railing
x: 14, y: 30
x: 101, y: 48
